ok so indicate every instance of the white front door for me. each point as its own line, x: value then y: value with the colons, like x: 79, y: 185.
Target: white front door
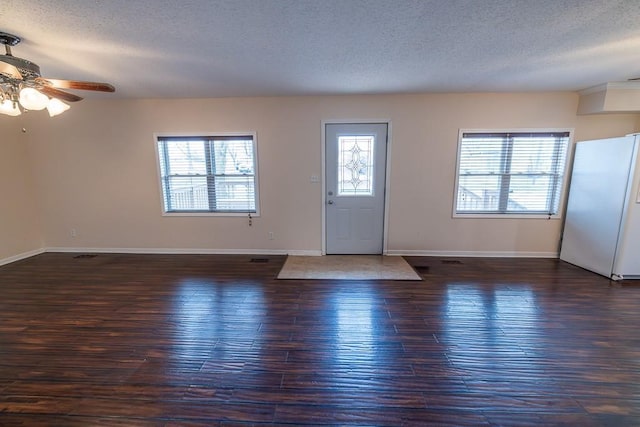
x: 355, y: 159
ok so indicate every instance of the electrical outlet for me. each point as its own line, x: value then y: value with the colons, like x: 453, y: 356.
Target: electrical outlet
x: 271, y: 236
x: 73, y: 232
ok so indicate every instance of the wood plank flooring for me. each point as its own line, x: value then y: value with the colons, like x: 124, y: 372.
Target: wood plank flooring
x: 202, y: 340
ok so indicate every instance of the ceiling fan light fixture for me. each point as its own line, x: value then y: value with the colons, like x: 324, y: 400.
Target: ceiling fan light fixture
x: 31, y: 99
x: 56, y: 107
x: 9, y: 108
x: 23, y: 88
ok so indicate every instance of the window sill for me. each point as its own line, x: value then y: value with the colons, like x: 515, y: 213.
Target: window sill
x: 505, y: 216
x: 218, y: 214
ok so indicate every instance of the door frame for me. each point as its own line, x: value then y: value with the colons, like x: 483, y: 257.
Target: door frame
x: 387, y: 176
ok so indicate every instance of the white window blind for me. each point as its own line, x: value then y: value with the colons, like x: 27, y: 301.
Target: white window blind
x: 208, y: 174
x: 510, y: 173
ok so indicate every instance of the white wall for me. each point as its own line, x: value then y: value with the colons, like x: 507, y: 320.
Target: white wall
x: 95, y: 170
x: 20, y: 233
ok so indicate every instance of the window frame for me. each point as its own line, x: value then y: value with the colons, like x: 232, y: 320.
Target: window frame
x: 206, y: 135
x: 515, y: 215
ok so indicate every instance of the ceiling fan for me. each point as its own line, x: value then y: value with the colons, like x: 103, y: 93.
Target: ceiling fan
x: 22, y: 87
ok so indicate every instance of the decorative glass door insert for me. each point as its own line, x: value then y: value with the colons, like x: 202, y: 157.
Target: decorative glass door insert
x: 355, y: 165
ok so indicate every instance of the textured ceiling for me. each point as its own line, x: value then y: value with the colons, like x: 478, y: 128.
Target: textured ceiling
x: 213, y: 48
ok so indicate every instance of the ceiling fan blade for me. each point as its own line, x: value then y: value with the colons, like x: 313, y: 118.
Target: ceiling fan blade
x: 60, y: 94
x: 75, y: 84
x: 10, y: 70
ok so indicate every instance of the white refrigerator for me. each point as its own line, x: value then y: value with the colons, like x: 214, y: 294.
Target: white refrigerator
x: 602, y: 221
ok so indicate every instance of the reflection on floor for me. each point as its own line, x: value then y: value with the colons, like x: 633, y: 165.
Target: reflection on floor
x: 141, y: 340
x: 348, y: 267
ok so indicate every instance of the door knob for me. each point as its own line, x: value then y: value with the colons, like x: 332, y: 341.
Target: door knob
x: 330, y: 202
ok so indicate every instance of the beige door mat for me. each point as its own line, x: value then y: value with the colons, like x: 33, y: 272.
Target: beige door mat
x: 348, y: 267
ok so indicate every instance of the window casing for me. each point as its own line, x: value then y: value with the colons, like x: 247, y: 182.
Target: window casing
x: 510, y: 173
x: 209, y: 175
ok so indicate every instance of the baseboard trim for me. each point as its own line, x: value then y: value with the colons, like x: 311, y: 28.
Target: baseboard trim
x: 169, y: 251
x: 475, y: 254
x: 21, y: 256
x: 177, y: 251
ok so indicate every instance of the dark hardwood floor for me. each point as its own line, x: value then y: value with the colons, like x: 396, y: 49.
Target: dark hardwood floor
x: 200, y: 340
